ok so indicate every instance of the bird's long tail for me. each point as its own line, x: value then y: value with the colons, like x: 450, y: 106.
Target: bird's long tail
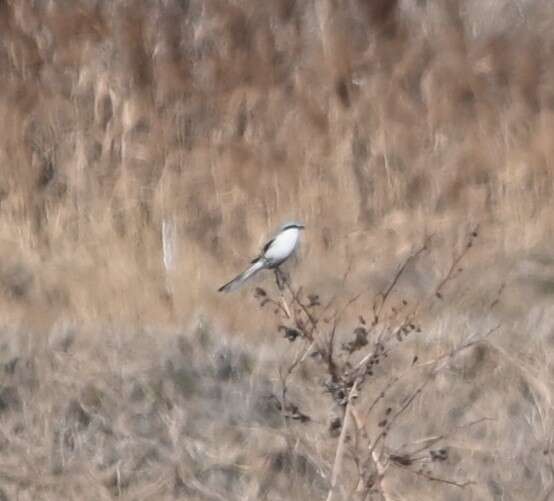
x: 243, y: 277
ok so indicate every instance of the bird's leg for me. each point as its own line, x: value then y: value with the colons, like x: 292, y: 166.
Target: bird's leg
x: 279, y: 279
x: 282, y: 277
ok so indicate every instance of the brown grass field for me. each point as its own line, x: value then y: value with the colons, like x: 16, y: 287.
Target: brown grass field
x: 203, y: 125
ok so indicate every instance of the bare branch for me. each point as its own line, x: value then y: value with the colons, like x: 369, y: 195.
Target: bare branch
x: 430, y: 441
x: 428, y: 476
x: 300, y: 357
x: 454, y: 266
x: 377, y: 309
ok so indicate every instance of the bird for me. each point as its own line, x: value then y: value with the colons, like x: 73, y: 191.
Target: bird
x: 273, y: 254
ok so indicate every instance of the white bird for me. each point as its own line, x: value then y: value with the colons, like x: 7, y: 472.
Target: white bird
x: 274, y: 253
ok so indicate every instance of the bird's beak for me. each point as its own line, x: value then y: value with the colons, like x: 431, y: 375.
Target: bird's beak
x: 301, y: 226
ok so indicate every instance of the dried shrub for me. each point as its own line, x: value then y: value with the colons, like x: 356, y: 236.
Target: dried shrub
x: 365, y: 413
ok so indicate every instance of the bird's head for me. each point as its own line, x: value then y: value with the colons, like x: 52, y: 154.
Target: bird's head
x: 295, y: 224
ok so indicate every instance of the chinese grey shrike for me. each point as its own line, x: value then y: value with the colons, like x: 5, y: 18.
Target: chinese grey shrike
x: 274, y: 253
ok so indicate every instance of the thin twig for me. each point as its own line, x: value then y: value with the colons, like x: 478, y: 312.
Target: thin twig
x: 450, y: 274
x: 399, y: 272
x: 290, y: 369
x: 430, y: 441
x: 302, y: 306
x: 427, y: 476
x: 381, y: 395
x: 407, y: 403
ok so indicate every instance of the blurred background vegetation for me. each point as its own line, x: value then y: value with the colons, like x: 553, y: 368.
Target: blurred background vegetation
x: 375, y: 122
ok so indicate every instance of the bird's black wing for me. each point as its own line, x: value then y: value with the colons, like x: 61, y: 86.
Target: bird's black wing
x: 264, y: 250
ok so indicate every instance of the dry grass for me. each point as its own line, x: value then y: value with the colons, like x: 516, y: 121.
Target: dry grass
x: 374, y: 122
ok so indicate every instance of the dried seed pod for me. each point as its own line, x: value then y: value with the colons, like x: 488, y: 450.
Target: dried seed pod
x: 290, y: 333
x: 402, y: 459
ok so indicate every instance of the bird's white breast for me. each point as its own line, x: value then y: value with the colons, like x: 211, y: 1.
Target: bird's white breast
x: 283, y: 245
